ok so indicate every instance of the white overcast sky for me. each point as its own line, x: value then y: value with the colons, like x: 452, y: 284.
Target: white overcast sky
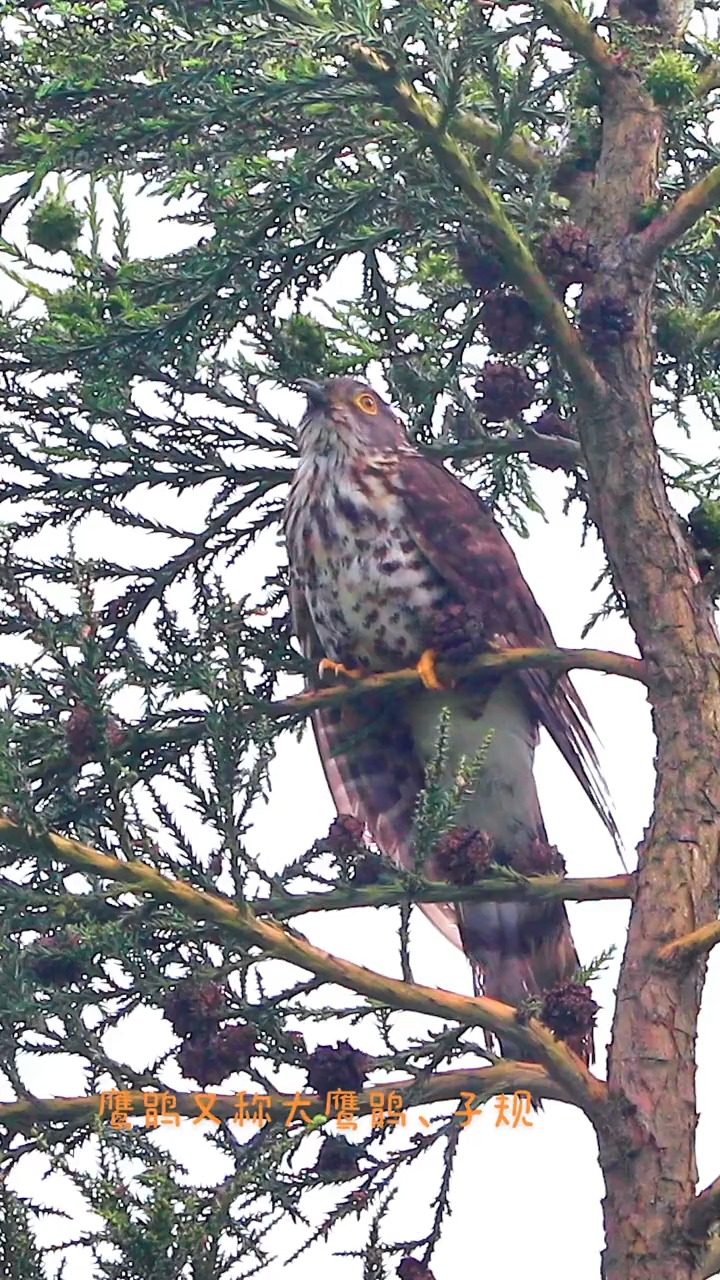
x: 527, y: 1199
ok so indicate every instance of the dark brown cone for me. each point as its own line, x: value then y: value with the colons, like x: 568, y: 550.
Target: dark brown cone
x: 456, y: 634
x: 413, y: 1269
x: 463, y: 856
x: 569, y: 1011
x: 509, y: 322
x: 478, y: 264
x: 550, y: 423
x: 605, y: 322
x: 337, y: 1157
x: 344, y: 838
x: 538, y: 859
x: 370, y: 870
x: 462, y: 427
x: 57, y: 958
x: 504, y: 390
x: 211, y: 1059
x: 83, y: 737
x: 193, y: 1006
x: 339, y: 1066
x: 567, y: 256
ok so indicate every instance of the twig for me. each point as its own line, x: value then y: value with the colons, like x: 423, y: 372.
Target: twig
x: 278, y: 941
x: 484, y: 1082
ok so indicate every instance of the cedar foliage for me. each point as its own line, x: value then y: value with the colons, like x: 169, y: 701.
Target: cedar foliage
x: 436, y: 146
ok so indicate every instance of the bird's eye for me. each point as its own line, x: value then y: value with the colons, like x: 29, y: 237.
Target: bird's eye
x: 366, y: 402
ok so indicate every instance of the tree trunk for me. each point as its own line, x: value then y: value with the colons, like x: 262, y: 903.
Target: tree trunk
x: 649, y: 1162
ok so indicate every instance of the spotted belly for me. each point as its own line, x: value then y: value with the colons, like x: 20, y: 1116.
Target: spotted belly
x: 376, y: 612
x: 371, y: 593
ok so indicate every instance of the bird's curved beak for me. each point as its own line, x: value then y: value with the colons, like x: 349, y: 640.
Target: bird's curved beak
x: 315, y: 391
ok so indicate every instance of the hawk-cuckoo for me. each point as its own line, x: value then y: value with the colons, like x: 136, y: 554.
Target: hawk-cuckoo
x: 384, y: 543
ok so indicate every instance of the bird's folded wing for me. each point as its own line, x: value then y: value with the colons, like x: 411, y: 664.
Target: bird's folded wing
x: 460, y: 538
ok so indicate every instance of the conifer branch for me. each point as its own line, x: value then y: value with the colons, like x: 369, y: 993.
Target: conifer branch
x: 466, y: 125
x: 443, y: 1086
x: 277, y: 940
x: 520, y: 266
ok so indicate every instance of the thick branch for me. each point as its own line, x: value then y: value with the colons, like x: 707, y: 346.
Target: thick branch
x: 618, y: 664
x: 704, y: 1212
x: 484, y: 1082
x: 496, y: 888
x: 280, y: 942
x: 520, y: 265
x: 686, y: 949
x: 684, y: 213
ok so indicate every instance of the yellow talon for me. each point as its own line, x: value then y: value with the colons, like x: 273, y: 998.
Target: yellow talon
x: 339, y: 669
x: 427, y: 671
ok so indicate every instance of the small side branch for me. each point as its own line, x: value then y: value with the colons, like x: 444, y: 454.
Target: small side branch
x: 277, y: 940
x: 684, y: 950
x: 688, y: 209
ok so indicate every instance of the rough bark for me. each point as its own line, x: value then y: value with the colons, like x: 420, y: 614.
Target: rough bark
x: 650, y: 1173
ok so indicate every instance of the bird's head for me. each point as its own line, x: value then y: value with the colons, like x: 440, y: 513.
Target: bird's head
x: 347, y: 416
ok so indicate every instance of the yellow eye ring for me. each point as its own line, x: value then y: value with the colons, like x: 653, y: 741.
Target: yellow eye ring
x: 366, y: 402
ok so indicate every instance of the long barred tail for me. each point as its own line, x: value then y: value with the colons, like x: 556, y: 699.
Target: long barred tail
x: 374, y: 752
x: 519, y: 951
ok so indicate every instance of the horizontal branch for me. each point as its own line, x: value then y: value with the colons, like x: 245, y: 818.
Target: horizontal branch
x: 427, y: 122
x: 704, y: 1212
x: 279, y: 941
x: 688, y: 209
x: 616, y: 664
x: 494, y: 888
x: 444, y: 1086
x: 698, y: 943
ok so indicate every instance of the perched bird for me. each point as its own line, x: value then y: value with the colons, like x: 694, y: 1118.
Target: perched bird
x: 384, y: 545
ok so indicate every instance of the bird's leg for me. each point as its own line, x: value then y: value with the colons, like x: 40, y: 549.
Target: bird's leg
x: 427, y: 670
x: 339, y: 669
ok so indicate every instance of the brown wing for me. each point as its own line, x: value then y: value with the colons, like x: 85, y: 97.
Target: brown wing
x: 460, y: 538
x: 371, y: 766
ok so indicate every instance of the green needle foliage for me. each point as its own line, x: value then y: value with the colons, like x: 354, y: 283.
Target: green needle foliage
x: 320, y: 235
